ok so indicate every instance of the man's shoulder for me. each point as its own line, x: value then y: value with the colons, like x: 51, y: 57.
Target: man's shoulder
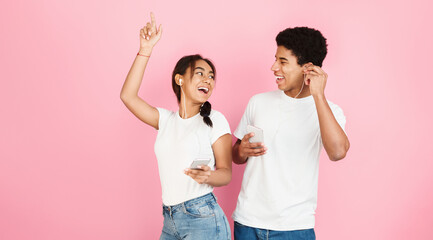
x: 266, y: 96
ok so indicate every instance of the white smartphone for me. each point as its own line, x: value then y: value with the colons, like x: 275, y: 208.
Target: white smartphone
x: 258, y: 134
x: 199, y: 162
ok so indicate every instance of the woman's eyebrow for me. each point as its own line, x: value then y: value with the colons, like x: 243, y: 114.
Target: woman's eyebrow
x: 200, y: 68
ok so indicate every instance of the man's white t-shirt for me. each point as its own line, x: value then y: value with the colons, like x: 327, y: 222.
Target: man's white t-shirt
x: 178, y: 143
x: 279, y: 189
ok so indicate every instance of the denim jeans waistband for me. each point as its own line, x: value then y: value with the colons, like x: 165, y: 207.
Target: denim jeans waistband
x: 207, y: 197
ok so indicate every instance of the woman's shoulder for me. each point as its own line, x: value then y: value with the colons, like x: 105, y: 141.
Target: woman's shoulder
x: 216, y: 114
x: 163, y: 112
x: 220, y: 123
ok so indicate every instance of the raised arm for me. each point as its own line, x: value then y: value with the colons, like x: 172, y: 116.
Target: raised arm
x: 334, y: 139
x: 149, y: 36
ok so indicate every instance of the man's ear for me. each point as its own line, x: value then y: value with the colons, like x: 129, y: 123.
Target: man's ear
x: 305, y: 65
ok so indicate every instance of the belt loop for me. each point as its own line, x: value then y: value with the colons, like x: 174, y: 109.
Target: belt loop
x: 169, y: 210
x: 183, y: 207
x: 213, y: 195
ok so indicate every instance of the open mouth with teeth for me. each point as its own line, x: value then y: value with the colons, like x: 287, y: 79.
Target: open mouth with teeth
x: 204, y: 90
x: 279, y: 78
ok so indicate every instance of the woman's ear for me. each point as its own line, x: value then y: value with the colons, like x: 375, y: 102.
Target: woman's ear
x: 178, y: 79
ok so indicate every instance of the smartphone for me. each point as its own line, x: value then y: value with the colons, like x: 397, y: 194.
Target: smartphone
x: 199, y: 162
x: 258, y: 134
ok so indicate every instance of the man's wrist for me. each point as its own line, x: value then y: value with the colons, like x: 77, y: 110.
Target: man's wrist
x: 319, y: 96
x: 242, y: 158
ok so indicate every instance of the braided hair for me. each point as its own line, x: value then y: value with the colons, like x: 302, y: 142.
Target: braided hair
x: 205, y: 112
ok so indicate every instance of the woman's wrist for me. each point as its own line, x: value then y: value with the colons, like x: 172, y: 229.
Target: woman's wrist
x: 145, y: 52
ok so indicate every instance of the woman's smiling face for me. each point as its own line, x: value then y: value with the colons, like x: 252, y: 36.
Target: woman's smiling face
x: 198, y: 83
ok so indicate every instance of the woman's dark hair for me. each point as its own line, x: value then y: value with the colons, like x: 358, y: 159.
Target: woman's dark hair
x: 181, y: 66
x: 307, y: 44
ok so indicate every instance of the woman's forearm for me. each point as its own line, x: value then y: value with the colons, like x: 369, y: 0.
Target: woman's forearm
x: 135, y: 75
x: 220, y: 177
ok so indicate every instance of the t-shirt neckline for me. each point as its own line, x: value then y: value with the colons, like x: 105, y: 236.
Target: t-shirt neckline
x: 290, y: 99
x: 186, y: 119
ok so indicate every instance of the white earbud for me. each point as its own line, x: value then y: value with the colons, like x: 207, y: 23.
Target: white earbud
x: 184, y: 100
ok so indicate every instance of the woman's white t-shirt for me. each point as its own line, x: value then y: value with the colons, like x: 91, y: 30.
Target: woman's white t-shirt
x: 178, y: 143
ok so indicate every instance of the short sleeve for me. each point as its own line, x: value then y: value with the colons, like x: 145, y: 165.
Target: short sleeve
x: 241, y: 130
x: 220, y: 126
x: 339, y: 115
x: 163, y: 117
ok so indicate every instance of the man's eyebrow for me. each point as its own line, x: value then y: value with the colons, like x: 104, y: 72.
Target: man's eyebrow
x: 281, y: 58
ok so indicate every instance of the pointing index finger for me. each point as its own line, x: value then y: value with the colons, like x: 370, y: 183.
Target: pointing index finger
x: 152, y: 18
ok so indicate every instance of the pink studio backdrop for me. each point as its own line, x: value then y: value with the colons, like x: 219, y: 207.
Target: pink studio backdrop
x: 75, y: 164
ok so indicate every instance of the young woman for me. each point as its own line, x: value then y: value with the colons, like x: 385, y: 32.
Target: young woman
x: 193, y: 132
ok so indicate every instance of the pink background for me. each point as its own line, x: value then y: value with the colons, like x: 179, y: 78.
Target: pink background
x: 76, y: 164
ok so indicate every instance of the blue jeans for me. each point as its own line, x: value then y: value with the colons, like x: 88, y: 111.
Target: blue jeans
x: 198, y: 218
x: 243, y: 232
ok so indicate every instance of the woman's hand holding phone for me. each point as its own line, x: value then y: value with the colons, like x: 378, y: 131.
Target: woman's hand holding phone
x: 200, y: 175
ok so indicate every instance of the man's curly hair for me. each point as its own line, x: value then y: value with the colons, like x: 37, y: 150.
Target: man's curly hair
x: 307, y: 44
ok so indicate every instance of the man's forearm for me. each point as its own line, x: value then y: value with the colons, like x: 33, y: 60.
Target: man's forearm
x: 334, y: 139
x: 235, y: 154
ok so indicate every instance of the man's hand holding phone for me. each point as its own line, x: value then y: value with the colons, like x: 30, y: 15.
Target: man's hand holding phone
x: 252, y: 143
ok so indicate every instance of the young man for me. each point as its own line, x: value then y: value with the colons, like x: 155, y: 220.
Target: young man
x: 279, y: 189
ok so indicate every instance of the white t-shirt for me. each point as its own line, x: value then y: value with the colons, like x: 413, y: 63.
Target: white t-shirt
x: 279, y: 189
x: 178, y: 143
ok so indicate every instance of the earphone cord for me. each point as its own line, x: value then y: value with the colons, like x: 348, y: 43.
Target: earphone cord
x: 302, y: 88
x: 184, y: 104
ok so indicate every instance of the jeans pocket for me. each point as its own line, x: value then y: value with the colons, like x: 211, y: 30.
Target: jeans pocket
x: 237, y: 224
x: 229, y: 232
x: 199, y: 210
